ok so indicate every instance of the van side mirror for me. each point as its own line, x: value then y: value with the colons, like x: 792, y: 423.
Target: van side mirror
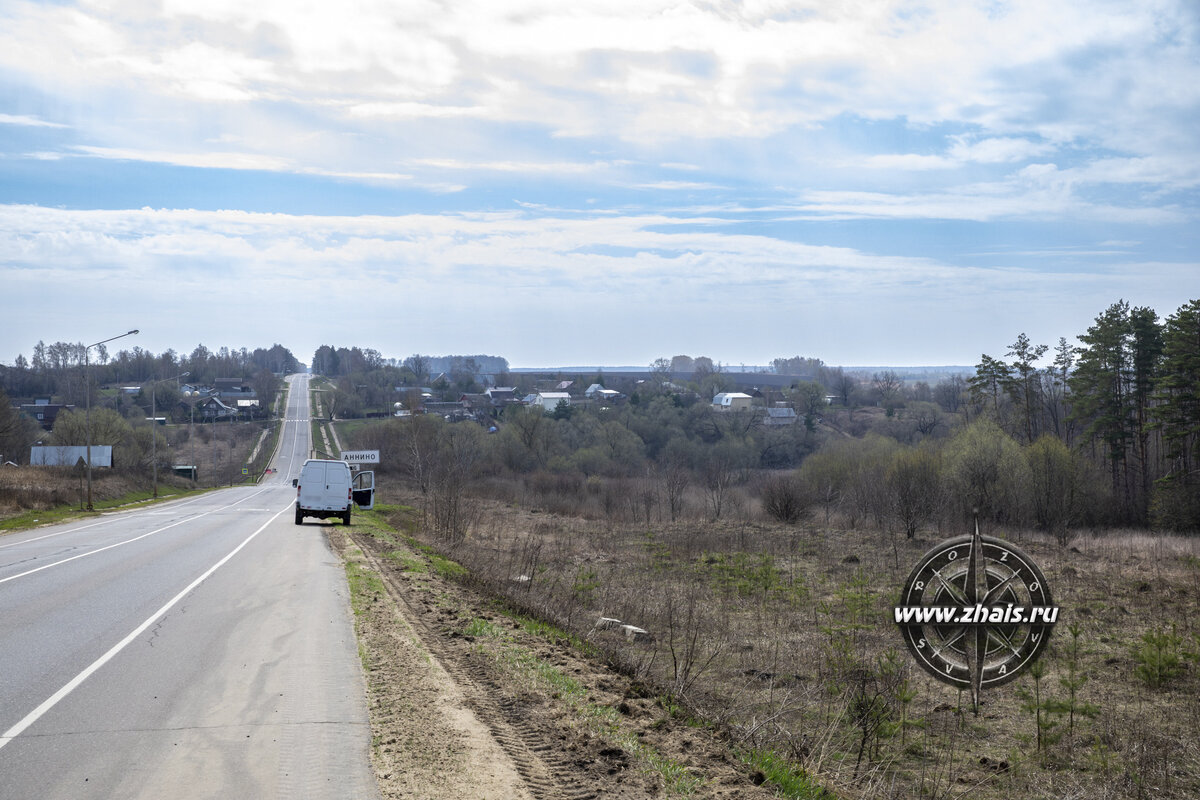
x: 294, y: 482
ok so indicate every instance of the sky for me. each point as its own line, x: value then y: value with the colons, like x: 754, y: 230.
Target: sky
x: 599, y: 182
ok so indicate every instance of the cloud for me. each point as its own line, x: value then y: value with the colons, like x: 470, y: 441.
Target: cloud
x: 28, y: 121
x: 558, y: 167
x: 739, y: 69
x: 207, y: 160
x: 430, y: 281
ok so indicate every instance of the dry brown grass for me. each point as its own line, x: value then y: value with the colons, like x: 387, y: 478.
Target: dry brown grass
x: 218, y: 450
x: 783, y: 635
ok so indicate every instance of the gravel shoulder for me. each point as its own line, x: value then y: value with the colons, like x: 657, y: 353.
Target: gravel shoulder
x: 469, y: 700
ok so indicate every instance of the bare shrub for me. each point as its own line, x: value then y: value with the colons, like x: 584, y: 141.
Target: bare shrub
x: 786, y: 499
x: 560, y: 493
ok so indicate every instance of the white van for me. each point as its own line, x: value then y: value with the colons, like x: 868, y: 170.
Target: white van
x: 323, y: 490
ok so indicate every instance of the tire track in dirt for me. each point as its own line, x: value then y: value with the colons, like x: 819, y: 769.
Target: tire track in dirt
x: 547, y: 774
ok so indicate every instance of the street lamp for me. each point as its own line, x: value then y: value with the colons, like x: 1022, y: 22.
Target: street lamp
x: 154, y: 424
x: 87, y: 390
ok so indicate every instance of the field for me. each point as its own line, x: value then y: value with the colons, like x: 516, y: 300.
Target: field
x: 781, y: 637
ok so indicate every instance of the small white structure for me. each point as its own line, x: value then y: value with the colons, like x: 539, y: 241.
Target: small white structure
x: 598, y: 392
x: 732, y: 401
x: 550, y: 400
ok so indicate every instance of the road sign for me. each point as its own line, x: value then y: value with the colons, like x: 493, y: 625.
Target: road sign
x: 361, y: 456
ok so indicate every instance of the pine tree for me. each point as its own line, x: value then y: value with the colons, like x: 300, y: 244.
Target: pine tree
x: 1111, y: 393
x: 1176, y: 412
x: 991, y: 381
x: 1024, y: 386
x: 1146, y: 345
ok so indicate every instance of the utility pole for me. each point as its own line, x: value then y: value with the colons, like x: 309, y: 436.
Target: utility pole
x: 87, y: 391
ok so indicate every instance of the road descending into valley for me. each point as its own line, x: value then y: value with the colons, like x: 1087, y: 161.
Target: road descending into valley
x: 195, y: 648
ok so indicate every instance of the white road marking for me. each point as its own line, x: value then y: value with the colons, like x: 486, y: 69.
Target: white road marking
x: 108, y: 519
x: 74, y: 683
x: 127, y: 541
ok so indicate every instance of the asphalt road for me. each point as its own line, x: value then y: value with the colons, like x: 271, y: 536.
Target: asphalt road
x: 198, y: 648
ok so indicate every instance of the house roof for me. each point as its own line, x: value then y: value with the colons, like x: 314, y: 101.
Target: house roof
x: 475, y: 400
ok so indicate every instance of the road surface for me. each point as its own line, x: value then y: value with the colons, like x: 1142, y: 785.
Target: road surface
x: 197, y: 648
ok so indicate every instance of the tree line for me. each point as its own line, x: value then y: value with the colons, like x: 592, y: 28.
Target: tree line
x: 1104, y: 434
x: 57, y: 371
x: 1127, y: 399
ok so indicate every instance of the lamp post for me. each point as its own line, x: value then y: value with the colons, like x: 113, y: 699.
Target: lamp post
x: 87, y: 391
x: 154, y: 424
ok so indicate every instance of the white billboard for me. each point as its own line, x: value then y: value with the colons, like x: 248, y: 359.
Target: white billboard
x: 69, y: 456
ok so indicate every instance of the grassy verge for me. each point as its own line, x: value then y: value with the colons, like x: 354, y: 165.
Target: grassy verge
x: 31, y: 519
x: 507, y: 651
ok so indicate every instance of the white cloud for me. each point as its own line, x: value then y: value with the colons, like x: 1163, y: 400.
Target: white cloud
x: 903, y: 162
x: 739, y: 69
x: 559, y: 167
x: 28, y: 121
x: 428, y: 282
x: 219, y: 160
x: 1001, y: 150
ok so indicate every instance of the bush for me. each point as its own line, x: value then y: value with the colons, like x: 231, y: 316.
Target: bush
x: 786, y: 499
x: 1158, y: 658
x: 1175, y: 506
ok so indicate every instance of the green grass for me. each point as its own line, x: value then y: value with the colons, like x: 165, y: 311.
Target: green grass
x: 366, y: 587
x: 788, y: 778
x: 479, y: 628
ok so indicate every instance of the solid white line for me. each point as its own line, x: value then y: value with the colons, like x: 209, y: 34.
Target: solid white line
x: 74, y: 683
x: 127, y: 541
x: 106, y: 521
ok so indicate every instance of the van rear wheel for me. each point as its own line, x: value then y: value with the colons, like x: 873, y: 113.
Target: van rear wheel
x: 346, y: 518
x: 299, y: 516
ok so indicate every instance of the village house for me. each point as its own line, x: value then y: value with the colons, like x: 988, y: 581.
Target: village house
x: 550, y: 400
x: 45, y: 412
x: 214, y: 408
x: 780, y: 416
x: 732, y: 401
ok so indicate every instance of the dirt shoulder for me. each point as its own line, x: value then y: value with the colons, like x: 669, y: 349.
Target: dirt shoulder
x: 468, y: 700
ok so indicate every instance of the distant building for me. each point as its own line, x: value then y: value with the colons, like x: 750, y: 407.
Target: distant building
x: 601, y: 395
x: 732, y: 401
x: 44, y: 411
x: 234, y: 390
x: 778, y: 417
x: 550, y: 400
x: 214, y: 408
